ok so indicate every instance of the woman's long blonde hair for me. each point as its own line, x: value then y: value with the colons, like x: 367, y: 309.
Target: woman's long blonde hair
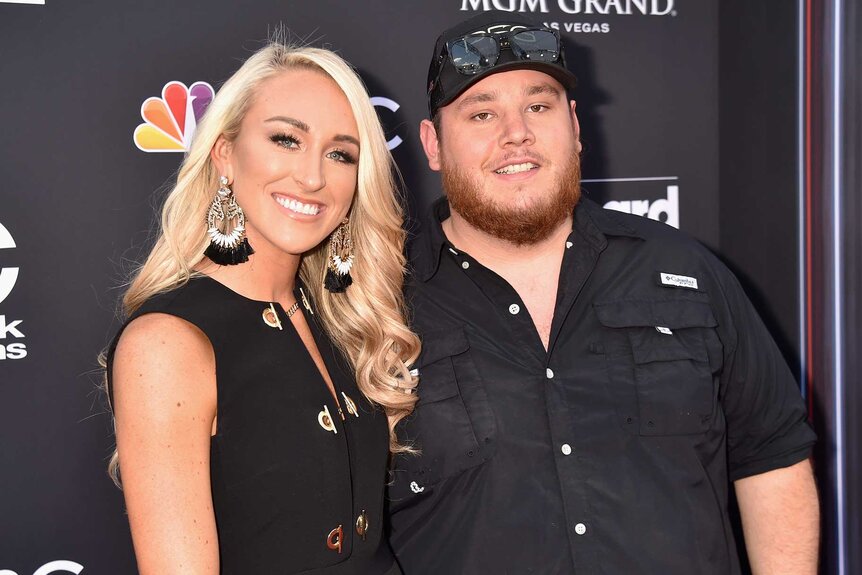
x: 367, y: 322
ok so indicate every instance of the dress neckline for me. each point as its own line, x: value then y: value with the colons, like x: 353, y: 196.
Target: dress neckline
x: 296, y: 291
x: 318, y: 334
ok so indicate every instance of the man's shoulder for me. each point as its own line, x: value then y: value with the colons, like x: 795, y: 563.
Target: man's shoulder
x: 640, y: 247
x: 650, y: 236
x: 614, y: 222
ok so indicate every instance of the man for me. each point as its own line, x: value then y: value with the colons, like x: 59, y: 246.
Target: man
x: 591, y: 383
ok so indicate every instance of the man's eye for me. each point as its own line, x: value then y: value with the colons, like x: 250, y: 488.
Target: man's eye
x: 538, y: 108
x: 482, y: 116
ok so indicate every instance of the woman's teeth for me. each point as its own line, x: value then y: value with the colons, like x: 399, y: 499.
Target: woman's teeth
x: 298, y: 207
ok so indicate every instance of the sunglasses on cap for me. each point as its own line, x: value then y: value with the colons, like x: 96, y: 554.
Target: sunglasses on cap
x: 466, y: 57
x: 473, y: 53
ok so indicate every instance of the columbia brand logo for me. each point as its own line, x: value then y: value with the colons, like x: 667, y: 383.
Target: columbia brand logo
x: 678, y: 280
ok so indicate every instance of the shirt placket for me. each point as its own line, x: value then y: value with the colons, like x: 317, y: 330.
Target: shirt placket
x: 572, y: 463
x: 572, y: 466
x: 508, y: 306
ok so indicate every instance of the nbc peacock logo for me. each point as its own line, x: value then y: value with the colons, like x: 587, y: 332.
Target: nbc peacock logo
x: 170, y: 121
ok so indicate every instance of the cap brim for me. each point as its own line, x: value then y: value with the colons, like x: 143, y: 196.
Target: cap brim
x: 560, y: 74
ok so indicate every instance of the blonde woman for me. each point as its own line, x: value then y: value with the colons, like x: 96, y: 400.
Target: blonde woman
x: 255, y: 389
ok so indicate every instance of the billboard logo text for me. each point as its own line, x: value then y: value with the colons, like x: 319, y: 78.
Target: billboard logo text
x: 668, y: 207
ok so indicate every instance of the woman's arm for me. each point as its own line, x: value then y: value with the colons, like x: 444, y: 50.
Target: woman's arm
x: 165, y: 406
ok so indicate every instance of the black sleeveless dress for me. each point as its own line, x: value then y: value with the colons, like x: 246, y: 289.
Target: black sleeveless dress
x: 295, y: 488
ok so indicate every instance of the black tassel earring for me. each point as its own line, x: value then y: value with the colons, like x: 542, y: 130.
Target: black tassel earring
x: 340, y: 259
x: 227, y: 248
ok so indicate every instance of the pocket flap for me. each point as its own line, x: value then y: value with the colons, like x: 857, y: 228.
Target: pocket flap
x: 441, y: 343
x: 437, y: 379
x: 670, y: 313
x: 649, y: 347
x: 439, y: 387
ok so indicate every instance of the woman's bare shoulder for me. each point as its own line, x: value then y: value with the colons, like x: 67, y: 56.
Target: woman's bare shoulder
x: 164, y: 358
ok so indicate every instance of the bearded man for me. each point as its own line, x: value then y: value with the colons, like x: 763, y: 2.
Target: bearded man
x: 592, y: 384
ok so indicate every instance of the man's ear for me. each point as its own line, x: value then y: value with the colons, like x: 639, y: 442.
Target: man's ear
x: 221, y: 157
x: 575, y: 125
x: 430, y: 143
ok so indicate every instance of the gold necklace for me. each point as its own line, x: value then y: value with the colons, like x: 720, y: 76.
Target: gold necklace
x: 292, y: 309
x: 270, y: 317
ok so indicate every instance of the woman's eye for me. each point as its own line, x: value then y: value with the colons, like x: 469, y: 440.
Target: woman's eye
x: 285, y: 141
x: 341, y: 156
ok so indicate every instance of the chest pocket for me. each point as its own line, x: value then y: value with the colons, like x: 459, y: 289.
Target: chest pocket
x: 452, y: 425
x: 663, y: 359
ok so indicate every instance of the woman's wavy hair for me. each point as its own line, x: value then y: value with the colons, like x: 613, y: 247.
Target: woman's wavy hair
x: 367, y: 322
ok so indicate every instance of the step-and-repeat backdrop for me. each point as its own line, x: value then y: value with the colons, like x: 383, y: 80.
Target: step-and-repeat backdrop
x: 98, y: 100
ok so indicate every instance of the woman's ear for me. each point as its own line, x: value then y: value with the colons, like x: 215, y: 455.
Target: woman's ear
x: 221, y: 157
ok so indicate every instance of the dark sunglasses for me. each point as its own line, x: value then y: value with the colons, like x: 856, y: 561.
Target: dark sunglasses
x: 474, y: 53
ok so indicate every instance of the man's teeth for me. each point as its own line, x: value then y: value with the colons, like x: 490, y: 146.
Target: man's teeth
x: 516, y: 168
x: 298, y: 207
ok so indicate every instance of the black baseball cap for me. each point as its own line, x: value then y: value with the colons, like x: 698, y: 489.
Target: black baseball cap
x: 445, y: 83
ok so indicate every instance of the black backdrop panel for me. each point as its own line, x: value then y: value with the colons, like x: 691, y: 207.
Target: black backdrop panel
x: 77, y: 195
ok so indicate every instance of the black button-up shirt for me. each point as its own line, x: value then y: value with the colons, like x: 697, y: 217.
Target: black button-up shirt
x: 611, y: 452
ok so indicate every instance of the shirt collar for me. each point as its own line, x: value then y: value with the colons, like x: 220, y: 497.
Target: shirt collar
x: 593, y: 221
x: 429, y: 244
x: 606, y: 222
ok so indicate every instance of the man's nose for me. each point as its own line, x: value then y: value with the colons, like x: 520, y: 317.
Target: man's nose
x: 516, y: 130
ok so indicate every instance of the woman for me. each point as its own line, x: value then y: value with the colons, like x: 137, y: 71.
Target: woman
x: 253, y: 405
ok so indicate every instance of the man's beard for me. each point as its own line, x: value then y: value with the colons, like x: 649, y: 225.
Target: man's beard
x: 520, y: 226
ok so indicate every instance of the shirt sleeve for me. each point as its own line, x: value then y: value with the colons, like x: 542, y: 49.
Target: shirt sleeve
x: 767, y: 422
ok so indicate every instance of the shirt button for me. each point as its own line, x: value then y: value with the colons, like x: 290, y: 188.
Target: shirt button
x: 568, y: 244
x: 580, y: 528
x: 514, y: 309
x: 566, y: 449
x: 465, y: 265
x: 549, y: 373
